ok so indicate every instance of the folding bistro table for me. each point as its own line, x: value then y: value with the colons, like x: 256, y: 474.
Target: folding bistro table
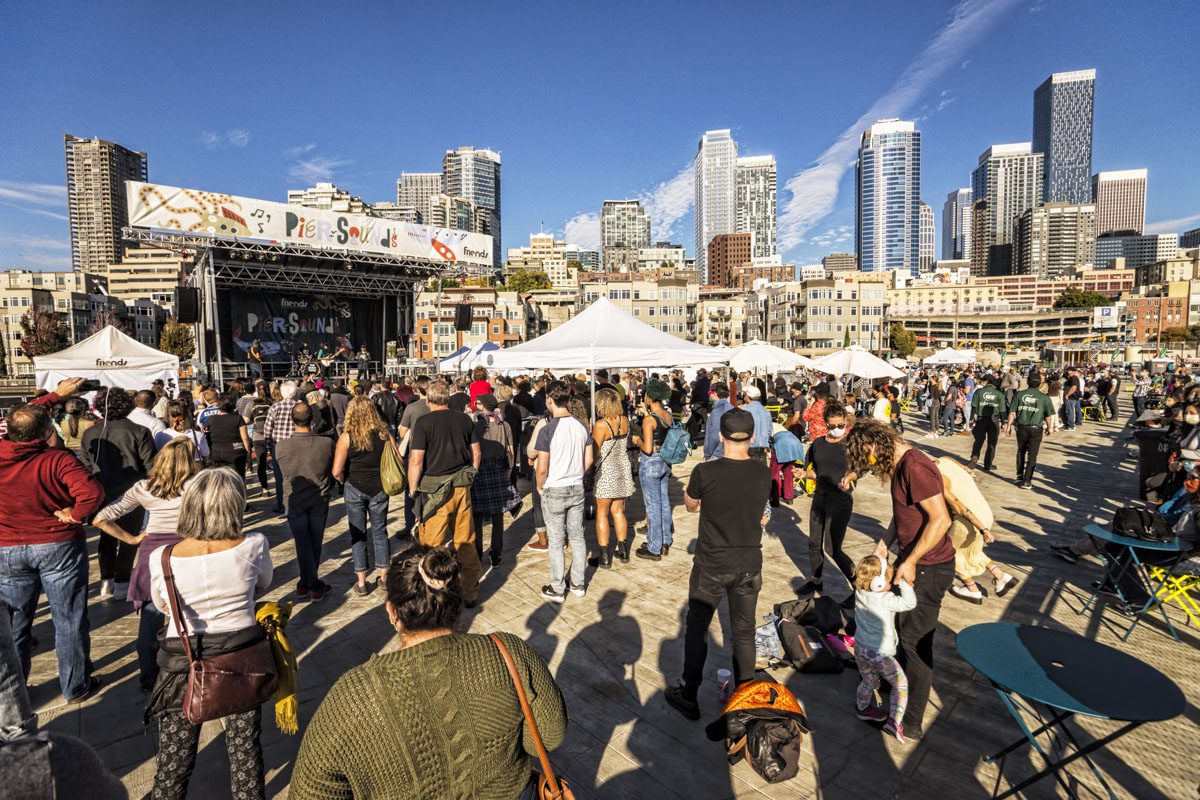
x: 1065, y: 674
x: 1114, y: 570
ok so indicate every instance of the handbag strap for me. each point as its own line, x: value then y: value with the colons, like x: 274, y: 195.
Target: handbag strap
x: 174, y: 599
x: 543, y: 756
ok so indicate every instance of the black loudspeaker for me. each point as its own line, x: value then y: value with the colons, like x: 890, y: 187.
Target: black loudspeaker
x: 187, y: 304
x: 462, y: 317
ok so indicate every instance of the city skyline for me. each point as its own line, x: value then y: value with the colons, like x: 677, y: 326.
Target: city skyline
x: 953, y: 69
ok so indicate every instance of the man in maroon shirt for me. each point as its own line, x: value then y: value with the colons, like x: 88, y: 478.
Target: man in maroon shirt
x: 920, y: 522
x: 45, y: 495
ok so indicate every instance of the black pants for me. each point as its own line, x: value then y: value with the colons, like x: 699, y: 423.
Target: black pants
x: 151, y: 622
x: 1029, y: 441
x: 497, y: 548
x: 177, y: 743
x: 916, y: 629
x: 116, y: 557
x: 234, y: 459
x: 705, y: 592
x: 827, y: 522
x: 1110, y: 405
x: 986, y: 428
x: 260, y: 458
x: 695, y: 423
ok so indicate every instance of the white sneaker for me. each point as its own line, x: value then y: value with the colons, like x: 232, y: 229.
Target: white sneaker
x: 1004, y: 584
x: 106, y: 589
x: 579, y: 591
x: 963, y: 593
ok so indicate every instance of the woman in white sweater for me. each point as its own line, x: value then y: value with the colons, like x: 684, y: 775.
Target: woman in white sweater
x: 217, y: 570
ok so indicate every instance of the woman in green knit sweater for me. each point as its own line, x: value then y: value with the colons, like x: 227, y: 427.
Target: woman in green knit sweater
x: 438, y: 718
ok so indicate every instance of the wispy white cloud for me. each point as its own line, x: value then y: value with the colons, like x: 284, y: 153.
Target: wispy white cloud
x: 1174, y: 225
x: 583, y: 229
x: 669, y: 202
x: 29, y: 250
x: 299, y: 150
x: 34, y: 242
x: 814, y: 190
x: 237, y: 137
x: 316, y: 168
x: 41, y: 194
x: 45, y: 260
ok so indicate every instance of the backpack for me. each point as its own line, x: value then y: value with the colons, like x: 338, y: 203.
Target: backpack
x: 764, y: 725
x: 1137, y: 522
x: 677, y: 444
x: 386, y: 403
x: 258, y: 419
x: 806, y: 649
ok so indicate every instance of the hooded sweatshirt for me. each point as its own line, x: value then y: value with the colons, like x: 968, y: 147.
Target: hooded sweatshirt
x: 36, y: 481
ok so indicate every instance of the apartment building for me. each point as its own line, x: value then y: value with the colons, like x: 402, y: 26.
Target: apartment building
x: 721, y: 317
x: 496, y: 316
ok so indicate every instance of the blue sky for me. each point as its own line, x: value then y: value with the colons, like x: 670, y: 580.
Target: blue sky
x: 584, y: 101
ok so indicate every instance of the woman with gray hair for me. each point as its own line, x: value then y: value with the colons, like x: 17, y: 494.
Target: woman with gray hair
x: 217, y: 571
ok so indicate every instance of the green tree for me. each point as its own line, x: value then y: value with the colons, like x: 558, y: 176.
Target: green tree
x: 575, y: 265
x: 904, y: 341
x: 177, y: 339
x: 846, y: 338
x: 42, y: 333
x: 447, y: 283
x: 525, y: 280
x: 1178, y: 335
x: 1077, y: 298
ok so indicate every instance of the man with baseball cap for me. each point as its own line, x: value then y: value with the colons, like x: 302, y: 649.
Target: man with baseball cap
x: 731, y: 494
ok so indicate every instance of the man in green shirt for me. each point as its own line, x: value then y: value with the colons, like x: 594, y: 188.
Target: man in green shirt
x: 987, y: 410
x: 1031, y: 410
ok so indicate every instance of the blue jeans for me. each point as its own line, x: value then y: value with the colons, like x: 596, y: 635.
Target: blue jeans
x: 948, y: 413
x: 152, y: 621
x: 1072, y: 414
x: 654, y: 474
x: 15, y: 708
x: 61, y: 569
x: 308, y: 529
x: 358, y: 506
x: 563, y: 508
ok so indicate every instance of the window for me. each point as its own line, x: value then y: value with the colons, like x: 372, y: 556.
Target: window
x: 495, y: 329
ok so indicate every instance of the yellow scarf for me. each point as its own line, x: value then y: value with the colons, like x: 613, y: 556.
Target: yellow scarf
x: 273, y: 617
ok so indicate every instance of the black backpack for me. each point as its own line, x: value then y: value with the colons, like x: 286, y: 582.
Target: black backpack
x: 1138, y: 522
x: 805, y: 647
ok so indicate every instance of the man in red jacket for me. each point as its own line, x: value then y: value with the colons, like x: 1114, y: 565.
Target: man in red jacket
x: 45, y: 494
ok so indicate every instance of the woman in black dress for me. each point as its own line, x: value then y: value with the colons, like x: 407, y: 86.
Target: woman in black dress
x: 833, y: 500
x: 228, y: 441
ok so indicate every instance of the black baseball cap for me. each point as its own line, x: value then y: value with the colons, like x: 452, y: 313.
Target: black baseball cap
x: 737, y: 425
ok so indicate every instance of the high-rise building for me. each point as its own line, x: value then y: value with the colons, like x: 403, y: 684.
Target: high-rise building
x: 1005, y: 185
x: 1055, y: 238
x: 396, y: 212
x: 1189, y: 239
x: 623, y: 224
x: 715, y: 166
x: 588, y: 259
x: 416, y: 190
x: 1062, y: 132
x: 928, y: 237
x: 840, y: 262
x: 1136, y: 250
x: 888, y: 193
x: 327, y: 197
x: 727, y: 252
x: 96, y: 175
x: 754, y: 202
x: 661, y: 255
x: 956, y: 225
x: 1120, y: 198
x: 460, y: 214
x: 475, y: 175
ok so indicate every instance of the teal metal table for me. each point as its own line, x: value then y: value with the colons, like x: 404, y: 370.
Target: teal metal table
x: 1055, y: 675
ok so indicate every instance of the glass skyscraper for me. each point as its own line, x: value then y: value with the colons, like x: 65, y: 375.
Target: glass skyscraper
x: 956, y: 224
x: 1062, y: 132
x: 888, y: 194
x: 715, y: 167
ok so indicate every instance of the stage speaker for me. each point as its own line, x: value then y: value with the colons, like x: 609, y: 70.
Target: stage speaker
x: 187, y: 304
x: 462, y: 317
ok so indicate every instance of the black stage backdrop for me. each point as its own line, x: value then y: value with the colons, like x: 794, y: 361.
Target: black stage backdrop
x: 282, y: 322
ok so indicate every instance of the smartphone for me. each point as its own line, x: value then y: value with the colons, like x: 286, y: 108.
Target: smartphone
x: 90, y: 385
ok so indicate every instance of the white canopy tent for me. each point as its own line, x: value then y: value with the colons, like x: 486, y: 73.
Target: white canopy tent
x: 604, y: 335
x: 858, y: 361
x: 466, y: 358
x: 757, y: 354
x: 951, y: 356
x: 111, y: 357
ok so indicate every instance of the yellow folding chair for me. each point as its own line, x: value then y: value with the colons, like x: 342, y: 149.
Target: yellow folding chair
x: 1093, y: 413
x: 906, y: 404
x: 1178, y: 587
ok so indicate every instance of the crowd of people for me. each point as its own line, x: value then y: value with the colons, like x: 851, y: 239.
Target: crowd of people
x: 166, y: 482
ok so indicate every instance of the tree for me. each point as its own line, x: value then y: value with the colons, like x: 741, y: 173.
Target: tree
x: 105, y: 318
x: 177, y: 339
x: 575, y: 265
x: 1178, y: 335
x: 846, y: 338
x: 526, y: 280
x: 904, y: 341
x: 1077, y: 298
x: 42, y: 333
x: 447, y: 283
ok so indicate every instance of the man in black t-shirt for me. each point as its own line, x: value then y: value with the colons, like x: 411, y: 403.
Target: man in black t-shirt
x: 731, y: 494
x: 1072, y: 394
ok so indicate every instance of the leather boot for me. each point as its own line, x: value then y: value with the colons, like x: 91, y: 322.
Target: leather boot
x: 623, y: 551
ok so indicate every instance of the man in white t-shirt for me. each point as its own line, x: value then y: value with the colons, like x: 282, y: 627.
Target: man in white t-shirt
x: 564, y: 454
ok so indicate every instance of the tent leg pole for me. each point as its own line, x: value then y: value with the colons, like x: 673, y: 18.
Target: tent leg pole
x: 592, y: 373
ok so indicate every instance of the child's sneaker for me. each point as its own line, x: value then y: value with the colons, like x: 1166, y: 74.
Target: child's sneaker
x: 872, y: 713
x: 895, y: 728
